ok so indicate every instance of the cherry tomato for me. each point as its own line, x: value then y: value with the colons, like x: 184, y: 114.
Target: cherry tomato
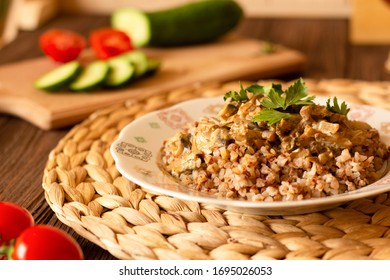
x: 62, y: 45
x: 109, y: 42
x: 44, y: 242
x: 13, y: 220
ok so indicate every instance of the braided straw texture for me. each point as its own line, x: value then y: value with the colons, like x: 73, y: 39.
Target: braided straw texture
x: 87, y: 193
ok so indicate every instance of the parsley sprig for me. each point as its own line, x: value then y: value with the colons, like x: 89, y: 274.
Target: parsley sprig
x: 242, y: 95
x: 336, y: 108
x: 296, y: 94
x: 277, y: 101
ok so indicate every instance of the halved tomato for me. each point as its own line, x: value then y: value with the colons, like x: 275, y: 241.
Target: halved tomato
x: 109, y: 42
x: 62, y: 45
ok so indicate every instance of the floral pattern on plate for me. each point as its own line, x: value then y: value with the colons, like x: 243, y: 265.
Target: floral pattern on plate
x: 174, y: 118
x: 130, y: 150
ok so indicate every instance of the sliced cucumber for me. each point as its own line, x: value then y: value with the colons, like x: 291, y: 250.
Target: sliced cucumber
x: 121, y: 72
x: 135, y: 23
x: 191, y: 23
x: 139, y: 60
x: 92, y: 76
x: 114, y: 72
x: 153, y: 66
x: 60, y: 77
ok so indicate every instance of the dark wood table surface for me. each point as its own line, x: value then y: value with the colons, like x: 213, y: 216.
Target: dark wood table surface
x: 24, y: 148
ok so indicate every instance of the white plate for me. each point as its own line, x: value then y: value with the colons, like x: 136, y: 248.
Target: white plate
x: 136, y: 150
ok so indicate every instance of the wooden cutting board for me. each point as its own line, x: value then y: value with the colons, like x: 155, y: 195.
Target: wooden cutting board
x: 233, y: 58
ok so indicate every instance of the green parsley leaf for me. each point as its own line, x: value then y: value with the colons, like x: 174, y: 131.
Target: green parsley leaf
x: 336, y: 108
x: 276, y: 101
x: 273, y: 100
x: 237, y: 96
x: 296, y: 94
x: 270, y: 116
x: 256, y: 89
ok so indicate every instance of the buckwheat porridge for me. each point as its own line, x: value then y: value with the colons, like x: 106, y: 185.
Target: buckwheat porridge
x: 270, y: 144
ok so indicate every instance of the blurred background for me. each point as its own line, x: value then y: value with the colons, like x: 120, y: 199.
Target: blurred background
x: 362, y: 26
x: 369, y: 21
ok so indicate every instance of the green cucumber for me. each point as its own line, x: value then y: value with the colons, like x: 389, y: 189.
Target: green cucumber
x: 59, y: 78
x: 133, y: 22
x: 139, y: 60
x: 114, y: 72
x: 92, y: 76
x: 153, y: 66
x: 192, y: 23
x: 121, y: 72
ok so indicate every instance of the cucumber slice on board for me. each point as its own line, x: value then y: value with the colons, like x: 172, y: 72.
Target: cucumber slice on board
x: 121, y: 72
x: 60, y: 77
x: 153, y: 66
x: 139, y: 60
x: 92, y: 76
x: 192, y: 23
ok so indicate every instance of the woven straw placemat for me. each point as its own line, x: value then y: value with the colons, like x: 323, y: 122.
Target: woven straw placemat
x: 87, y: 193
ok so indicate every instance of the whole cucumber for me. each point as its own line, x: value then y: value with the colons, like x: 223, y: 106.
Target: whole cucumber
x: 192, y: 23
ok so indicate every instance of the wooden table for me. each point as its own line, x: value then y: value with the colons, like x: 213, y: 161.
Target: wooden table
x: 24, y: 148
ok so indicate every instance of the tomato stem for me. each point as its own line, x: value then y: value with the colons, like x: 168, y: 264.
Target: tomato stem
x: 6, y: 250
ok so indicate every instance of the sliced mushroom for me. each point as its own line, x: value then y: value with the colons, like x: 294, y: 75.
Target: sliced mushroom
x: 227, y: 111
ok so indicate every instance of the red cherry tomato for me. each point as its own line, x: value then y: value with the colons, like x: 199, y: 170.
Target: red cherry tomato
x: 43, y: 242
x: 109, y: 42
x: 13, y: 220
x: 62, y: 45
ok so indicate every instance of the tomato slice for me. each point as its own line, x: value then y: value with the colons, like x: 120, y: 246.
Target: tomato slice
x: 44, y: 242
x: 13, y: 220
x: 109, y: 42
x: 62, y: 45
